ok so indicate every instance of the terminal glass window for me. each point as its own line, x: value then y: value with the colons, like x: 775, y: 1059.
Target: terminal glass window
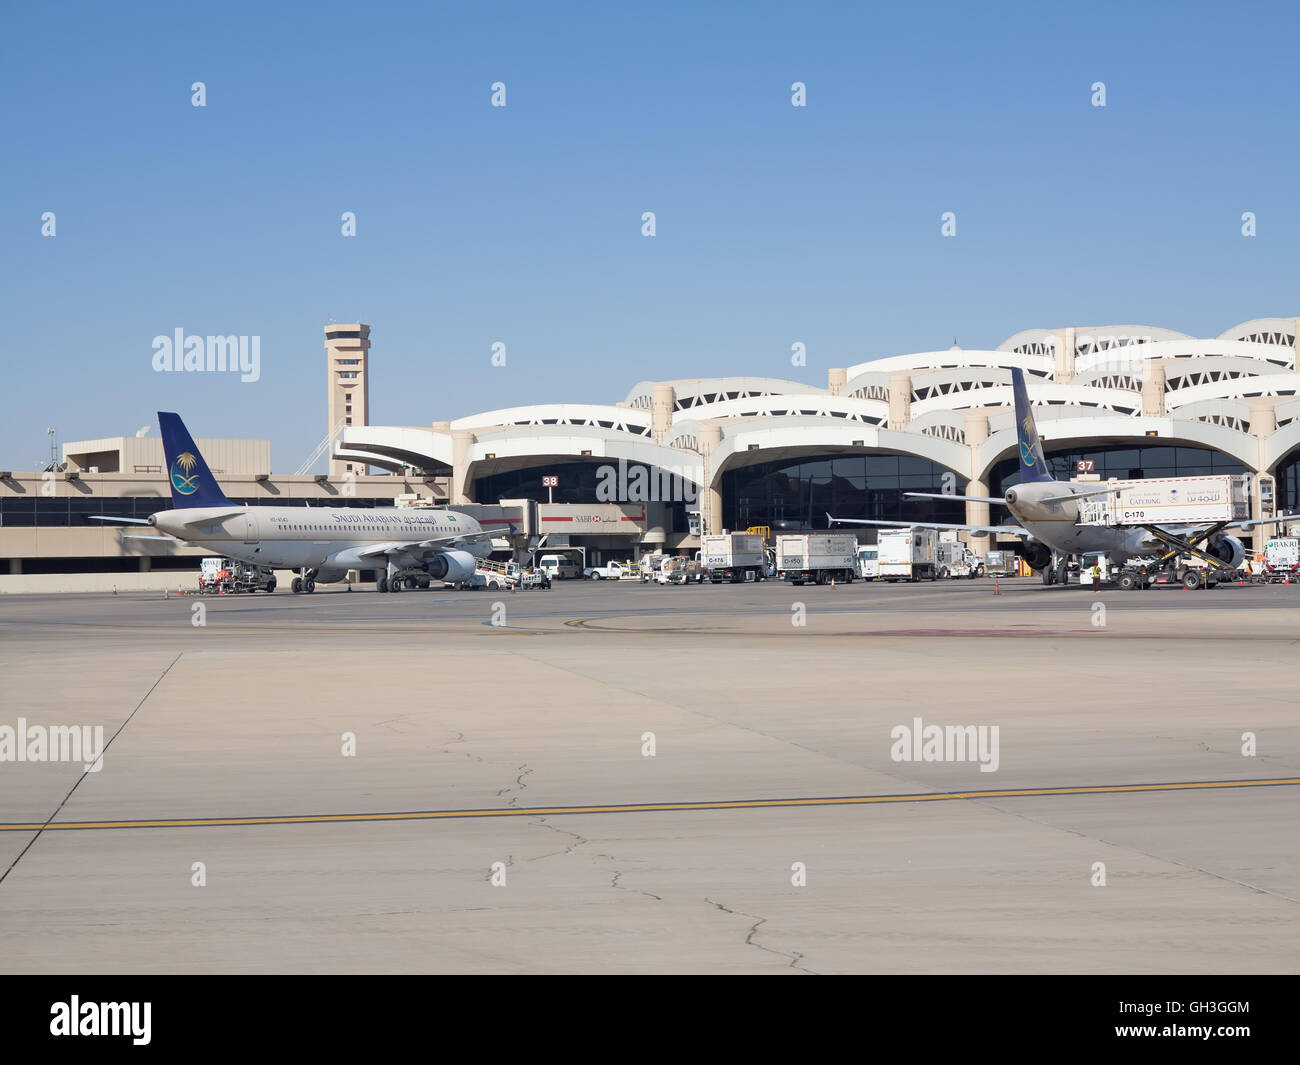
x: 798, y: 493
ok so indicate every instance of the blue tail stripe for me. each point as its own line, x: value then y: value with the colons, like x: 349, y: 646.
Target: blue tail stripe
x: 192, y: 483
x: 1033, y: 463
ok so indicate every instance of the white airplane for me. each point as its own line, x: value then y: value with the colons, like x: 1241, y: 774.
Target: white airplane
x: 1048, y: 513
x: 322, y: 543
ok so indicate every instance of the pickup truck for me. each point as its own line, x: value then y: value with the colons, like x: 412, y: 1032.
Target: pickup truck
x: 610, y: 571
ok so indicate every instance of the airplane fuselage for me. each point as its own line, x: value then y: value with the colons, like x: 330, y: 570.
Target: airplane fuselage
x: 1056, y: 524
x: 316, y: 537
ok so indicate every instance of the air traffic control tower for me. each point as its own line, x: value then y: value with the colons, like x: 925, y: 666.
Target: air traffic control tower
x: 348, y: 348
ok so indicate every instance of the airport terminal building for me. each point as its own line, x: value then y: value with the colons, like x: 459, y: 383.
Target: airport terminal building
x: 673, y: 459
x: 1110, y: 401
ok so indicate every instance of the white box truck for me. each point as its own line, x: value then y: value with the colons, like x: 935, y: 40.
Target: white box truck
x: 817, y: 558
x: 1282, y: 558
x: 1161, y: 500
x: 907, y: 554
x: 733, y: 557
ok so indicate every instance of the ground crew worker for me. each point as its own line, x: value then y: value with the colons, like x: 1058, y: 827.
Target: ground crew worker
x: 1096, y: 577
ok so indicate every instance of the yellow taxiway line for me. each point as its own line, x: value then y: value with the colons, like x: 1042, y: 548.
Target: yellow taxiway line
x: 650, y: 807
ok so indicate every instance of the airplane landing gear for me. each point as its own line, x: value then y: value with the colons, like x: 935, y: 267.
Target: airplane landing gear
x: 391, y: 581
x: 306, y: 582
x: 1057, y: 571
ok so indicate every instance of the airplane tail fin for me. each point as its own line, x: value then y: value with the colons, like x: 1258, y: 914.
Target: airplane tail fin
x: 1033, y: 464
x: 192, y: 482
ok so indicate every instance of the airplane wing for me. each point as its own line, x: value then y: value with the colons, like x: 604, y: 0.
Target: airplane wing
x: 1187, y: 530
x: 1264, y: 521
x: 998, y: 499
x: 1009, y: 530
x: 438, y: 543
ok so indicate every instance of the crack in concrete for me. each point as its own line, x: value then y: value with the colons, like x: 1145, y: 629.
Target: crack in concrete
x: 518, y: 784
x: 619, y: 872
x: 795, y: 956
x: 541, y: 822
x: 459, y: 737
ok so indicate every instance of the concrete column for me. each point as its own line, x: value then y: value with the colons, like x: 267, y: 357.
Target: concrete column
x: 1263, y: 422
x: 1065, y: 344
x: 836, y: 380
x: 976, y: 432
x: 710, y: 495
x: 663, y: 401
x: 1153, y: 389
x: 461, y: 442
x: 1295, y: 344
x: 900, y: 400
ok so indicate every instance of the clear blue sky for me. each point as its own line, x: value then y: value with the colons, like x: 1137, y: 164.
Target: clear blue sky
x: 775, y: 224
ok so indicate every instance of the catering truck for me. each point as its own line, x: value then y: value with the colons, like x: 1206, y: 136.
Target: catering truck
x: 1168, y: 500
x: 733, y: 557
x: 907, y: 554
x: 817, y: 558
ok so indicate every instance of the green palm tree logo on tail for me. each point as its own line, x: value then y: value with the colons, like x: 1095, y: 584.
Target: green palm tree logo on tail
x: 183, y: 479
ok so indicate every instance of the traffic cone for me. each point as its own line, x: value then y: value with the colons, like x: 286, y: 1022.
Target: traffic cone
x: 996, y: 590
x: 832, y: 584
x: 164, y: 593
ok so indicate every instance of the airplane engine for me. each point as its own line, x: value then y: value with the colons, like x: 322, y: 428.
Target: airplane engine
x: 452, y: 566
x: 1227, y: 549
x: 1037, y: 555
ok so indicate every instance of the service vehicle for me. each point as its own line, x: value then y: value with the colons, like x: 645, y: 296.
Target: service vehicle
x: 679, y: 569
x: 1282, y: 559
x: 955, y: 559
x: 492, y: 575
x: 868, y: 562
x: 734, y: 557
x: 817, y: 558
x: 613, y: 571
x: 560, y: 567
x: 226, y: 576
x: 908, y: 554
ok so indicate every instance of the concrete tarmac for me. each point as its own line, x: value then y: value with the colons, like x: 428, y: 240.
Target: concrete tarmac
x: 476, y: 715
